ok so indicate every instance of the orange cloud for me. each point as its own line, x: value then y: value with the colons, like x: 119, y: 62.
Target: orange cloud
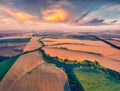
x: 55, y: 15
x: 19, y: 16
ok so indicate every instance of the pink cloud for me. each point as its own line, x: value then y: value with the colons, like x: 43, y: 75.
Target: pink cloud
x: 18, y: 15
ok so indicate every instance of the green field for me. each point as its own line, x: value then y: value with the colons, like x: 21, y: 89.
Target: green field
x: 14, y: 40
x: 94, y: 80
x: 86, y: 75
x: 5, y: 65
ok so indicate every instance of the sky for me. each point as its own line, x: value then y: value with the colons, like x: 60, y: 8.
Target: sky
x: 62, y: 15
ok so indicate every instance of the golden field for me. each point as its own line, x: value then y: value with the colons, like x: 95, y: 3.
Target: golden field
x: 31, y: 73
x: 74, y: 49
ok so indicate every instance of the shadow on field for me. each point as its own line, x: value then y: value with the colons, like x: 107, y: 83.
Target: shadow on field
x: 75, y: 85
x: 66, y: 86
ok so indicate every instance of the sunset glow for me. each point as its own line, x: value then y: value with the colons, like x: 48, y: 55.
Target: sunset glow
x: 48, y: 13
x: 55, y: 15
x: 59, y: 45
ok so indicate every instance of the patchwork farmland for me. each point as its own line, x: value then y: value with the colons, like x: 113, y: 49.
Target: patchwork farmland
x: 57, y: 64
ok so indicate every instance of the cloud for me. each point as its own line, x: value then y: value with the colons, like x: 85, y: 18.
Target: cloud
x: 76, y: 21
x: 55, y: 15
x: 96, y: 13
x: 18, y: 15
x: 57, y: 11
x: 84, y: 15
x: 92, y: 22
x: 111, y: 7
x: 95, y: 21
x: 108, y: 11
x: 114, y: 21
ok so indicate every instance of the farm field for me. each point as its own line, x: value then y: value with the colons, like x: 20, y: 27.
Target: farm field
x: 87, y: 75
x: 16, y: 36
x: 12, y: 47
x: 23, y: 64
x: 105, y: 50
x: 81, y: 45
x: 17, y: 40
x: 43, y: 78
x: 94, y: 80
x: 6, y: 64
x: 53, y: 41
x: 115, y: 42
x: 80, y: 50
x: 59, y: 45
x: 33, y: 44
x: 30, y: 71
x: 30, y: 66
